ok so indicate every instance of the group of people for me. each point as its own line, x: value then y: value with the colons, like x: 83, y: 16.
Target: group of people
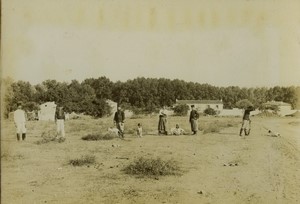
x: 119, y: 119
x: 20, y: 122
x: 162, y: 123
x: 194, y: 116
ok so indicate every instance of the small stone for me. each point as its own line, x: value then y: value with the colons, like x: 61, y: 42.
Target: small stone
x: 200, y: 192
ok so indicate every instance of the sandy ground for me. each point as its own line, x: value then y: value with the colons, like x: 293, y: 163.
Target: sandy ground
x: 217, y: 167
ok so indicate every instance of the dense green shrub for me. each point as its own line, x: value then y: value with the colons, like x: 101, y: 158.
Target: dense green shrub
x: 210, y: 111
x: 181, y: 110
x: 153, y: 167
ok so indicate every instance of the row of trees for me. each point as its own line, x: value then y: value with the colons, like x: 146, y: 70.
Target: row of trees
x: 139, y: 94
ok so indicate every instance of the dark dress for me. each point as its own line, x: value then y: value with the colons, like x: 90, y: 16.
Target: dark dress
x: 119, y: 119
x: 194, y: 121
x: 162, y: 123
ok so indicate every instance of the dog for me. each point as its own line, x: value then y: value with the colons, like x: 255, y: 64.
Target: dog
x: 114, y: 131
x: 273, y: 134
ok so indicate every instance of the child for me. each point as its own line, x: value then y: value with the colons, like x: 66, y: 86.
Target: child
x: 139, y: 130
x: 177, y: 130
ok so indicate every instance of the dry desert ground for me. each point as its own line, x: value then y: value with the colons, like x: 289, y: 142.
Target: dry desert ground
x: 216, y: 166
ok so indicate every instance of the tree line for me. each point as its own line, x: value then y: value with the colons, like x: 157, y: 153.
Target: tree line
x: 140, y: 94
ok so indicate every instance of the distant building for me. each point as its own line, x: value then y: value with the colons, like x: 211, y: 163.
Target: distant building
x: 237, y: 112
x: 114, y: 108
x: 201, y: 105
x: 113, y: 105
x: 283, y: 108
x: 47, y: 111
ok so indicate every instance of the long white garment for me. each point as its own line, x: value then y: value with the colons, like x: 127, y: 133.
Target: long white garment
x: 60, y: 124
x: 19, y: 119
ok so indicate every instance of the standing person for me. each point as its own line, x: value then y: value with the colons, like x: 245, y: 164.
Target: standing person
x: 194, y: 115
x: 119, y: 121
x: 60, y: 121
x: 162, y: 122
x: 20, y: 122
x: 139, y: 130
x: 246, y: 121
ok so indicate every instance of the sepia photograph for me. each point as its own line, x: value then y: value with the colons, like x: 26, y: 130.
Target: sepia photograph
x: 150, y: 101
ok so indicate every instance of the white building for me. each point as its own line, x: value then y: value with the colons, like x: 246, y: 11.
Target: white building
x: 283, y: 108
x: 113, y: 105
x: 47, y: 111
x: 201, y: 105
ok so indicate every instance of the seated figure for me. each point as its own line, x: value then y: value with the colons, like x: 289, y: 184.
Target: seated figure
x: 177, y: 130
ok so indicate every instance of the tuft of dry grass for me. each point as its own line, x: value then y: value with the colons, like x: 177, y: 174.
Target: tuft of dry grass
x: 153, y: 167
x: 267, y: 114
x: 212, y: 128
x: 84, y: 160
x: 294, y: 123
x: 6, y: 156
x: 129, y: 131
x: 99, y: 136
x: 50, y: 136
x: 217, y: 126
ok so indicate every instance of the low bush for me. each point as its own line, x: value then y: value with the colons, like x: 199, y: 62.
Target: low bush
x: 7, y: 156
x: 212, y: 128
x: 181, y: 110
x: 217, y: 126
x: 84, y: 160
x: 210, y: 111
x: 129, y: 131
x: 98, y: 136
x: 152, y: 167
x: 267, y: 114
x: 50, y: 136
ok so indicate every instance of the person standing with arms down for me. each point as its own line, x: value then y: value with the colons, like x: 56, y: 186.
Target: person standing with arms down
x: 139, y: 130
x: 119, y: 121
x: 60, y: 121
x: 194, y: 115
x: 246, y: 121
x: 162, y: 122
x: 20, y: 122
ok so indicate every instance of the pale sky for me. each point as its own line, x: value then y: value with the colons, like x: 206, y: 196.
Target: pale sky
x: 231, y: 42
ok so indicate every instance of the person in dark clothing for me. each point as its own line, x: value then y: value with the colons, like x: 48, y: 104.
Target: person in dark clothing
x: 119, y: 121
x: 246, y: 121
x: 194, y: 116
x: 60, y: 121
x: 162, y: 122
